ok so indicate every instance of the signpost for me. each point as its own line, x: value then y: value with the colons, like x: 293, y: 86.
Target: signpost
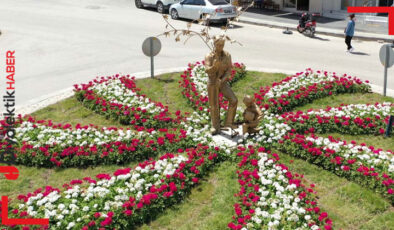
x: 389, y: 126
x: 386, y: 56
x: 151, y: 47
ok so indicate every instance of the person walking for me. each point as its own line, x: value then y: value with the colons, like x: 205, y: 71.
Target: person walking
x: 349, y: 32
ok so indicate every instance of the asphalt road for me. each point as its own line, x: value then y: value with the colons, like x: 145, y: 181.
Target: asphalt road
x: 59, y: 43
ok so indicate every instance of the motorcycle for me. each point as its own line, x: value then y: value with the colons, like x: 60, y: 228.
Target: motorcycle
x: 310, y: 25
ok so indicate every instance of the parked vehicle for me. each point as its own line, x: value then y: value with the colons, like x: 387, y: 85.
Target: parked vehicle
x: 307, y: 24
x: 219, y: 10
x: 161, y: 5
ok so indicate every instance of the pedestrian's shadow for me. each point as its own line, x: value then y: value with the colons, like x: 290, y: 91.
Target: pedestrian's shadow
x: 360, y: 53
x: 321, y: 39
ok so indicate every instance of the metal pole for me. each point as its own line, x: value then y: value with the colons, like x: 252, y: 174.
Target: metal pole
x: 385, y: 69
x: 389, y: 126
x: 151, y: 58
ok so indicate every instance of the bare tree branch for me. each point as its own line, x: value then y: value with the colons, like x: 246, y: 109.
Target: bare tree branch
x: 204, y: 33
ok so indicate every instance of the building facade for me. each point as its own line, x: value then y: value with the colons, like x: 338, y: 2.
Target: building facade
x: 329, y: 8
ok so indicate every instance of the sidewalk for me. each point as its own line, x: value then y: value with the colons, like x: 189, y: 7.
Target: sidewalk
x: 326, y: 26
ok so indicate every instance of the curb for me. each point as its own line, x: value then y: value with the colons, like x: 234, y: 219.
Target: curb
x: 322, y: 31
x: 50, y: 99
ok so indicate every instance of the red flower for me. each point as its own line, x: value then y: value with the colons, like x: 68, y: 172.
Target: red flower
x: 128, y: 212
x: 122, y: 171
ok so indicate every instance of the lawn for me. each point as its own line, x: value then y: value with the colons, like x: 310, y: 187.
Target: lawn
x: 210, y: 204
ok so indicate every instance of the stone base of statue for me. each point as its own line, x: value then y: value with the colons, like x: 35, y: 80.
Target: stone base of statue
x: 227, y: 137
x: 232, y: 129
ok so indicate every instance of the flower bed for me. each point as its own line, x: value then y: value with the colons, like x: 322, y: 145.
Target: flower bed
x: 368, y: 166
x: 120, y: 201
x: 349, y: 119
x: 305, y: 87
x: 44, y: 144
x: 371, y: 168
x: 118, y: 98
x: 272, y: 197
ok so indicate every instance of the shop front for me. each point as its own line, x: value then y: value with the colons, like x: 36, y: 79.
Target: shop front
x: 338, y: 8
x: 301, y: 5
x: 296, y: 5
x: 329, y: 8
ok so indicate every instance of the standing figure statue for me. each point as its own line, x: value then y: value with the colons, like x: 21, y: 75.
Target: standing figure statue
x: 218, y: 66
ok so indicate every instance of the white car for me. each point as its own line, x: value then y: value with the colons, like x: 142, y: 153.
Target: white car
x: 219, y: 10
x: 160, y: 5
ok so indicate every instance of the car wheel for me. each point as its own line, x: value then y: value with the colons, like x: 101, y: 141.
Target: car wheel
x: 139, y: 4
x: 160, y: 7
x: 174, y: 14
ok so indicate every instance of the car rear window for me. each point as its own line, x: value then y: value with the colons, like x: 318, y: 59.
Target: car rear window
x: 218, y: 2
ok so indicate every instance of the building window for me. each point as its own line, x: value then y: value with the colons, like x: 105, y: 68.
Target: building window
x: 346, y: 3
x: 290, y: 3
x: 364, y: 2
x: 385, y: 2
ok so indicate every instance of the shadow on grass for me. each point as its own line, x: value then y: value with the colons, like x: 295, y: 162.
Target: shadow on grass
x: 169, y: 80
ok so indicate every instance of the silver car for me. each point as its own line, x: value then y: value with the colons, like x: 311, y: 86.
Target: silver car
x: 219, y: 10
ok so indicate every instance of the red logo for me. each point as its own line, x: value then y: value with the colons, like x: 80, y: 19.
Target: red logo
x: 377, y: 9
x: 12, y: 173
x: 6, y: 221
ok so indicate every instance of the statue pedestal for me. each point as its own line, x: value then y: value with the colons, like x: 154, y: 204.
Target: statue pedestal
x: 225, y: 137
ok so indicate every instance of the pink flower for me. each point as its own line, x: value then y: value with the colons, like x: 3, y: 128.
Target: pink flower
x: 346, y: 168
x: 128, y: 212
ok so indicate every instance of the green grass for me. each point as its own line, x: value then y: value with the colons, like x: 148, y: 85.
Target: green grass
x: 31, y: 178
x: 376, y: 141
x: 165, y: 88
x: 71, y: 111
x: 349, y: 205
x: 252, y: 83
x: 337, y: 100
x: 210, y: 204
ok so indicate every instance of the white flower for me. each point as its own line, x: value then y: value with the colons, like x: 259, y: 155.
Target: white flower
x: 70, y: 225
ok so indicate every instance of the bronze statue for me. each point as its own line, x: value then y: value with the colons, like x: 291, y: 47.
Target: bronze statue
x: 252, y: 116
x: 218, y: 67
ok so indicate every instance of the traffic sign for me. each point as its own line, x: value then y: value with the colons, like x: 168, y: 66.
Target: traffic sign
x: 386, y: 54
x: 151, y: 46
